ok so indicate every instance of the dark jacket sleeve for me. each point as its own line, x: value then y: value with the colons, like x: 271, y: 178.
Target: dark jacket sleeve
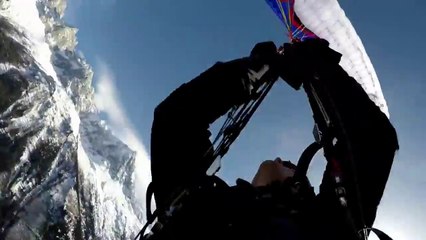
x: 180, y: 135
x: 373, y: 141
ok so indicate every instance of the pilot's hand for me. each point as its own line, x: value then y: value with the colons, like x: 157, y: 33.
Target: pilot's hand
x: 301, y: 60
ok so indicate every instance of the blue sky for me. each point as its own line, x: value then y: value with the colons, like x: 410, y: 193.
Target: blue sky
x: 151, y: 47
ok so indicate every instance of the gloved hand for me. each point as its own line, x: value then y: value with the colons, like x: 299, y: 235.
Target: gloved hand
x: 299, y: 61
x: 264, y: 53
x: 294, y: 62
x: 256, y: 68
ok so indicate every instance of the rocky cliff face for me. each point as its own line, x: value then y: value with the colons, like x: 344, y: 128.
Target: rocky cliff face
x: 63, y: 175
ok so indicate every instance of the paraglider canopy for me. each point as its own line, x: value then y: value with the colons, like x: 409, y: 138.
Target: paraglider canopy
x: 284, y: 9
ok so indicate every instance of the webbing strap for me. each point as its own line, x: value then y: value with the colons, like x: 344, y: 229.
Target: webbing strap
x: 380, y: 234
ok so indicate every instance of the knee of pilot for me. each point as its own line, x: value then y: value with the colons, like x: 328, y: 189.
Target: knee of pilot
x: 268, y: 167
x: 266, y: 163
x: 265, y: 174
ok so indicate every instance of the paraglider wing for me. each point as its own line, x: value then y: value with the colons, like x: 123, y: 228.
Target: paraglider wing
x: 326, y: 19
x: 284, y: 9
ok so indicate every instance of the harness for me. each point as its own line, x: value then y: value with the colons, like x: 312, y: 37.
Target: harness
x: 238, y: 211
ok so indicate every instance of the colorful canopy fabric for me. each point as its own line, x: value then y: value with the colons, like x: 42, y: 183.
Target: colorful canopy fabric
x: 284, y: 9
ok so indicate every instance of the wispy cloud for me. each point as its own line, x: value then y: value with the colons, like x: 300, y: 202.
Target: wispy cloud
x: 108, y: 101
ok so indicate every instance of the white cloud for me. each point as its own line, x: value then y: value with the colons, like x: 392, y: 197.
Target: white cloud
x: 108, y: 101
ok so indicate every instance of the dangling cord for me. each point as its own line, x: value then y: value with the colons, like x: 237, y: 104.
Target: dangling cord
x: 142, y: 231
x: 380, y: 234
x: 150, y: 217
x: 149, y: 192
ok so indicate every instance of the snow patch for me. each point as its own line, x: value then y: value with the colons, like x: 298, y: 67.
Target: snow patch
x: 25, y: 15
x: 5, y: 67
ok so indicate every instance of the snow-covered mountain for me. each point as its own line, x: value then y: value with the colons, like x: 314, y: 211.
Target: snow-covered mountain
x: 63, y: 175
